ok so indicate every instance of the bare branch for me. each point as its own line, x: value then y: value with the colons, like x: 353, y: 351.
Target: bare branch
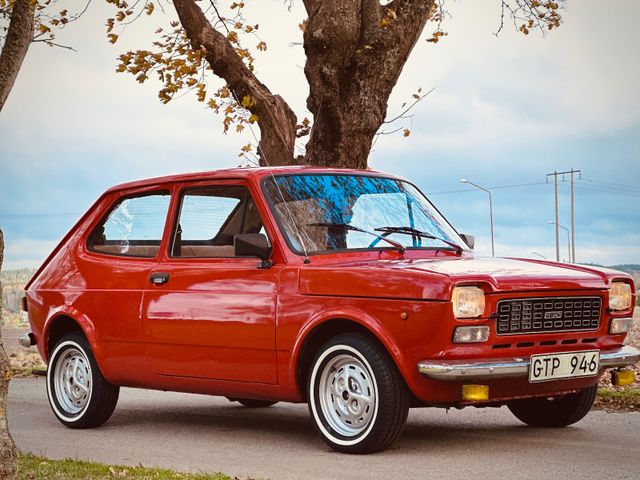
x: 54, y: 44
x: 417, y: 99
x: 215, y: 8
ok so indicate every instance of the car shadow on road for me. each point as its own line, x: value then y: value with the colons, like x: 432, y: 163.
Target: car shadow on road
x: 293, y: 425
x: 272, y: 423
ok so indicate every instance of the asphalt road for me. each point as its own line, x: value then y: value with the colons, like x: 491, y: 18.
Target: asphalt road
x: 199, y: 433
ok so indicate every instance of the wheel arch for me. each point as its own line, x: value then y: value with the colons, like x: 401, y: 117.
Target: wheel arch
x: 319, y: 330
x: 62, y: 323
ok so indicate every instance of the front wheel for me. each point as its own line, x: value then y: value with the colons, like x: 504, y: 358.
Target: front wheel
x: 79, y: 395
x: 356, y: 395
x: 554, y: 412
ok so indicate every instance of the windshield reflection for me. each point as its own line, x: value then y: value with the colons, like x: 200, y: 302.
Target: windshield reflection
x: 323, y: 213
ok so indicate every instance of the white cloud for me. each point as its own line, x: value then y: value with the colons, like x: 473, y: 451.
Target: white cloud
x: 496, y: 92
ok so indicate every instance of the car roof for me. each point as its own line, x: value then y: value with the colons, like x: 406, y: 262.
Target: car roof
x: 241, y: 173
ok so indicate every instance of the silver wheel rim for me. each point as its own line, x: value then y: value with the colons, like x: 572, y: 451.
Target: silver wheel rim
x: 347, y: 395
x: 72, y: 381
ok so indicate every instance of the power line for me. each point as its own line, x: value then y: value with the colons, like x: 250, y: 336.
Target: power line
x: 499, y: 187
x: 617, y: 185
x: 38, y: 215
x: 602, y: 189
x: 614, y: 188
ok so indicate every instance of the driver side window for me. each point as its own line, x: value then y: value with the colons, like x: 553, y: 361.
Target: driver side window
x: 210, y: 217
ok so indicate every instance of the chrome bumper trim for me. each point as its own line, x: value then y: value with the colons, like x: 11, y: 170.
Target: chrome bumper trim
x: 27, y: 340
x: 620, y: 358
x: 459, y: 370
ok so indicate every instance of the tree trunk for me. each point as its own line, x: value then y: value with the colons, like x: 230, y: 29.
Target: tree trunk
x: 7, y: 447
x: 15, y: 46
x: 356, y: 50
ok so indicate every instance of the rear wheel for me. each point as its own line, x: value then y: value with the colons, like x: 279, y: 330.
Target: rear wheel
x: 356, y: 395
x: 79, y: 395
x: 251, y: 403
x: 553, y: 412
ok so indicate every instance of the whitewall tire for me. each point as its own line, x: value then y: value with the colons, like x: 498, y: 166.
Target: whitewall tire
x: 79, y: 395
x: 357, y: 398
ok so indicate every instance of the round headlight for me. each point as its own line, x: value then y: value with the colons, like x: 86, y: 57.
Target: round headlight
x: 468, y: 302
x: 620, y: 296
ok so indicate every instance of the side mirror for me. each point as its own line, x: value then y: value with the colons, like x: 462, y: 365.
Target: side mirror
x: 469, y: 240
x: 253, y: 245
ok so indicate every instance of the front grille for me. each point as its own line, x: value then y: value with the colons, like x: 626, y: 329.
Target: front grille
x: 550, y: 314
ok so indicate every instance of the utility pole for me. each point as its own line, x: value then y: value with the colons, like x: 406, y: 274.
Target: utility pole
x: 573, y: 231
x: 555, y: 188
x: 568, y: 241
x: 573, y: 234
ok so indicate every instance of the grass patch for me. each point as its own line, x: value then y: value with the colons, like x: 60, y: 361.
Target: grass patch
x: 26, y: 364
x: 20, y: 372
x: 32, y: 467
x: 625, y: 399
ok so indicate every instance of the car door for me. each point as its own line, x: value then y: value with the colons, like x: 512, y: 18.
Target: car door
x: 111, y: 271
x: 207, y: 313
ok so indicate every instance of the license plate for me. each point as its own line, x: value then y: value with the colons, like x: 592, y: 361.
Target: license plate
x: 556, y: 366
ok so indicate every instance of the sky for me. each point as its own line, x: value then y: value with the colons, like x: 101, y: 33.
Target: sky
x: 505, y: 111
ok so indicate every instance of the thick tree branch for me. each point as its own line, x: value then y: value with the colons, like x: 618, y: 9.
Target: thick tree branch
x: 15, y: 46
x: 276, y: 120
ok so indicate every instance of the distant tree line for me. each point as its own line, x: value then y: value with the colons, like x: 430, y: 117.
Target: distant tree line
x: 13, y: 282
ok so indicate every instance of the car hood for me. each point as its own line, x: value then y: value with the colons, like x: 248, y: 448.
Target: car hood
x: 433, y: 279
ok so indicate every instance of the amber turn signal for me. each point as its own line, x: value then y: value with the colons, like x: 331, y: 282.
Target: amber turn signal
x: 620, y: 378
x: 474, y: 393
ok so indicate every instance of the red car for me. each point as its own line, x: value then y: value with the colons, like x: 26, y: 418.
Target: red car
x: 344, y: 289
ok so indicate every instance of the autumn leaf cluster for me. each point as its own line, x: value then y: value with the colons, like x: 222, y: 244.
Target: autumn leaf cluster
x: 180, y: 69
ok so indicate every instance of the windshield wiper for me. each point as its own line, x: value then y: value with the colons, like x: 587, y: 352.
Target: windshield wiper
x: 351, y: 228
x: 417, y: 233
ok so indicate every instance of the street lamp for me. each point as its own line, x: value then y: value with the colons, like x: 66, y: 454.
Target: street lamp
x: 464, y: 180
x: 551, y: 222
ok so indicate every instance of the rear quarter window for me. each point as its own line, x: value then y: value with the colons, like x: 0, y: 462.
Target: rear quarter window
x: 133, y: 226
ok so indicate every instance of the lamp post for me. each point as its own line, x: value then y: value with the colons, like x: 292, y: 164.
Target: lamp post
x: 464, y: 180
x: 551, y: 222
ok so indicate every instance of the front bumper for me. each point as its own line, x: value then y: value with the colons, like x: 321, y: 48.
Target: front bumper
x: 464, y: 370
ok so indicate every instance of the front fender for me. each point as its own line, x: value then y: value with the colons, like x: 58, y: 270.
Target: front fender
x: 352, y: 314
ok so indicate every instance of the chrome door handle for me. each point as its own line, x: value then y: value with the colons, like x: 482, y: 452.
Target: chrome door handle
x: 159, y: 278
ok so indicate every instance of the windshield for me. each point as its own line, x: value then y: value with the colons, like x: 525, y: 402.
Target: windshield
x: 323, y: 213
